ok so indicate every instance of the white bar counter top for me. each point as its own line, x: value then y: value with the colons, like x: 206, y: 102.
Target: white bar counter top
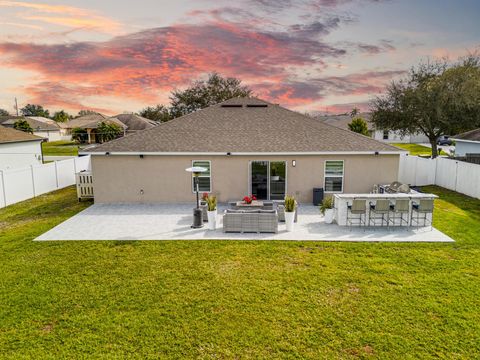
x: 341, y: 202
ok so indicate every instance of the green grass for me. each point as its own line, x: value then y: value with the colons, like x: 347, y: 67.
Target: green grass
x: 60, y: 148
x: 237, y: 299
x: 415, y: 149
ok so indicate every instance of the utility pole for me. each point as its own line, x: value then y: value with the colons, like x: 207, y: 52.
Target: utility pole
x: 16, y: 105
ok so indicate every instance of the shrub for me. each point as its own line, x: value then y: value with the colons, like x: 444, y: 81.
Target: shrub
x: 289, y: 203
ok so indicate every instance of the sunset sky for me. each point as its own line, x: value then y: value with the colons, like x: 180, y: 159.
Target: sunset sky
x: 308, y: 55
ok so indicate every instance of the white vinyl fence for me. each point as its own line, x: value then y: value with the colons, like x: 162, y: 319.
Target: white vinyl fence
x: 451, y: 174
x: 24, y: 183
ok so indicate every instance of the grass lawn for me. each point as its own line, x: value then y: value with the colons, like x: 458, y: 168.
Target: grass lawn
x: 60, y: 148
x: 235, y: 299
x: 416, y: 149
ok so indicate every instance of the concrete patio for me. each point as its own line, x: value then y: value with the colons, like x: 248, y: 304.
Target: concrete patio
x: 172, y: 222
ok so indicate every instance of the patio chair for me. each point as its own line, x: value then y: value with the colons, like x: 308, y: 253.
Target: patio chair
x: 358, y: 207
x: 379, y: 211
x: 421, y: 210
x: 400, y: 208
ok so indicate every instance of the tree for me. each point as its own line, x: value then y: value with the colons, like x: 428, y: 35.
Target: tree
x: 435, y: 98
x: 107, y: 131
x: 355, y: 111
x: 34, y: 110
x: 4, y: 112
x: 86, y: 112
x: 79, y: 135
x: 359, y: 126
x: 61, y: 116
x: 156, y: 113
x: 23, y: 125
x: 206, y: 93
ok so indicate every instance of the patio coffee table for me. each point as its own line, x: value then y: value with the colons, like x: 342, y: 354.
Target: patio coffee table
x: 255, y: 204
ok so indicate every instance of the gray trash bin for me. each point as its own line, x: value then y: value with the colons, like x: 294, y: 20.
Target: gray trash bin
x: 317, y: 196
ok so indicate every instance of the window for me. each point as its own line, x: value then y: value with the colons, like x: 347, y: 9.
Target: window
x: 333, y: 176
x: 204, y: 180
x: 385, y: 134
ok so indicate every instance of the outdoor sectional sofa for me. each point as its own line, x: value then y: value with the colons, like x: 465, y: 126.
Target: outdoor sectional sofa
x: 258, y: 221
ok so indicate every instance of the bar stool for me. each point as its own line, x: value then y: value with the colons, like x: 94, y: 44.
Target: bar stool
x: 398, y: 210
x: 424, y: 207
x: 381, y: 207
x: 358, y: 207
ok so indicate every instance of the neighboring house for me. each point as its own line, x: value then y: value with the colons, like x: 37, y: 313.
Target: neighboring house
x: 42, y: 127
x: 342, y: 121
x: 90, y: 124
x: 249, y: 146
x: 467, y: 143
x: 18, y: 148
x: 135, y: 122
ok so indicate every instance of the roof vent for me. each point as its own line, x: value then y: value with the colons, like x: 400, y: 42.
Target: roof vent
x: 232, y: 105
x: 257, y: 105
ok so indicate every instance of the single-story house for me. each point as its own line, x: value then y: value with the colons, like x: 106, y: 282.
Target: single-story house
x: 248, y: 146
x: 42, y: 127
x: 18, y: 148
x: 90, y: 124
x: 387, y: 136
x: 135, y: 122
x: 467, y: 143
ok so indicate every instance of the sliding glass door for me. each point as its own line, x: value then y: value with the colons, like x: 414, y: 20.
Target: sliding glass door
x: 268, y: 179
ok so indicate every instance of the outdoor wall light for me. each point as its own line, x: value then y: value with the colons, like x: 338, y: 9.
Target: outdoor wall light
x: 229, y: 153
x: 141, y: 192
x: 107, y: 153
x: 141, y: 156
x: 294, y: 163
x: 376, y: 153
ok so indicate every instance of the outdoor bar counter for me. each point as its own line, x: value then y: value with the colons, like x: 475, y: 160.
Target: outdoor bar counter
x: 341, y: 202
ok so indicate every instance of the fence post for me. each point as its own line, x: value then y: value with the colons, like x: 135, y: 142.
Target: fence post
x: 4, y: 190
x: 33, y: 180
x: 56, y: 173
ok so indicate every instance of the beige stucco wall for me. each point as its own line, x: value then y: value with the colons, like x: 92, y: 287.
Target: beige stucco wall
x: 164, y: 179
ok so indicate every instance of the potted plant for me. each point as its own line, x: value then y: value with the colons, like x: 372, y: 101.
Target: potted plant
x: 248, y: 199
x: 212, y: 212
x: 326, y: 208
x: 290, y: 207
x: 204, y: 198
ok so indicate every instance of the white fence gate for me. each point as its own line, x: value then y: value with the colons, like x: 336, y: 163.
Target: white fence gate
x: 24, y: 183
x: 451, y: 174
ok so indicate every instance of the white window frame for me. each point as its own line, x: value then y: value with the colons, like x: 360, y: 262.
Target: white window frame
x: 330, y: 176
x: 383, y: 135
x: 209, y: 176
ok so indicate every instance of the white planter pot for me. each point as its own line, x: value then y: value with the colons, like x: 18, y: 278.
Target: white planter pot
x: 212, y: 219
x: 329, y: 216
x: 289, y: 220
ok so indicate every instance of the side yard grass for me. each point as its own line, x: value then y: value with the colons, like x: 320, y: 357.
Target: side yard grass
x: 415, y: 149
x: 245, y: 299
x: 60, y: 148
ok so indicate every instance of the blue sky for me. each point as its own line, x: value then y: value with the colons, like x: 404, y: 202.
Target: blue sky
x: 309, y: 55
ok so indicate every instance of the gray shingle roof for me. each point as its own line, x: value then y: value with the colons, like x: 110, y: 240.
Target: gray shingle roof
x: 472, y: 135
x: 90, y: 121
x: 342, y: 121
x: 135, y: 122
x: 244, y: 125
x: 34, y: 123
x: 8, y: 135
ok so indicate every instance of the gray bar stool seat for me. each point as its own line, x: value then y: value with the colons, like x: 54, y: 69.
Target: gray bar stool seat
x: 398, y: 210
x: 379, y: 211
x: 357, y: 211
x: 421, y: 210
